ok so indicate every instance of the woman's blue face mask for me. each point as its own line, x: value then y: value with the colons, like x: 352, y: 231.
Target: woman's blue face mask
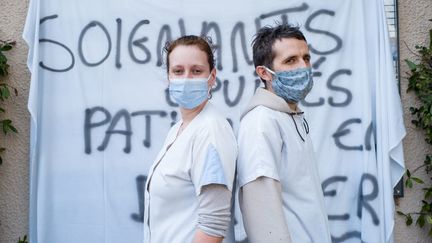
x: 189, y: 92
x: 293, y: 85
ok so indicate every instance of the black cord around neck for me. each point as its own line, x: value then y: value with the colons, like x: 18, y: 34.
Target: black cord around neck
x: 305, y: 125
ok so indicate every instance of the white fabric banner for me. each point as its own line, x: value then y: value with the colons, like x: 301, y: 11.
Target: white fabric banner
x: 100, y: 109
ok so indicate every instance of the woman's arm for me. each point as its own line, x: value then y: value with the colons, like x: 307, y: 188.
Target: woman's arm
x: 262, y: 211
x: 201, y: 237
x: 214, y: 214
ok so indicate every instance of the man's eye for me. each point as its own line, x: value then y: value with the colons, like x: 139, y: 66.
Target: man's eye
x: 197, y: 71
x: 177, y: 71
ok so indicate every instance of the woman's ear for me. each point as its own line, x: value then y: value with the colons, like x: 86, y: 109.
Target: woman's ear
x: 263, y: 73
x: 212, y: 79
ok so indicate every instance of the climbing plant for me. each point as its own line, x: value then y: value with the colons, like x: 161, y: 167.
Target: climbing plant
x: 6, y: 125
x: 24, y: 240
x: 420, y: 82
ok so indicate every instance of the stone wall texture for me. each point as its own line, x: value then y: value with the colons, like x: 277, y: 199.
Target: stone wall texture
x: 413, y: 30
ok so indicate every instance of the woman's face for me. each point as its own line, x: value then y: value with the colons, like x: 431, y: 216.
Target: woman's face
x: 190, y: 62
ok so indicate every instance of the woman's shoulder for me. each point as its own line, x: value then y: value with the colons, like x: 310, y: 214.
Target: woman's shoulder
x: 213, y: 117
x: 213, y: 122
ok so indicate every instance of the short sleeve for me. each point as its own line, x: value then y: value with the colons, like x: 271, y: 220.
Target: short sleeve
x: 260, y: 147
x: 214, y: 157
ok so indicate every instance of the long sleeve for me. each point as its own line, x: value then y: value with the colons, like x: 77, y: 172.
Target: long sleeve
x: 214, y: 214
x: 262, y: 210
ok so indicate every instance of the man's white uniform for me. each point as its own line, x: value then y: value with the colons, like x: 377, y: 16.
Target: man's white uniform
x: 203, y: 154
x: 274, y: 142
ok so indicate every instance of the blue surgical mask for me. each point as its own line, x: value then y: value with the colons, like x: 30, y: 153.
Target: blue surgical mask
x: 293, y: 85
x: 189, y: 93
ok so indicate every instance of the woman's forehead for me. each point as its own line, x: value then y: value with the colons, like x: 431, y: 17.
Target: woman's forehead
x: 189, y: 55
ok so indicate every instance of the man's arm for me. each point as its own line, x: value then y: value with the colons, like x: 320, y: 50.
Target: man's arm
x: 262, y: 210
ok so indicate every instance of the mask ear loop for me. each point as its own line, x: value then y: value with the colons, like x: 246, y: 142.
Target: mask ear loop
x: 209, y: 93
x: 269, y: 70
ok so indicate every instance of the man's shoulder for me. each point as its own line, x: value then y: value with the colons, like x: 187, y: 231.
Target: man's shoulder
x: 260, y: 118
x: 260, y: 113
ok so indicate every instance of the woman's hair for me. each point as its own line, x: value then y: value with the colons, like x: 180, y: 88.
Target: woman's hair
x: 203, y: 43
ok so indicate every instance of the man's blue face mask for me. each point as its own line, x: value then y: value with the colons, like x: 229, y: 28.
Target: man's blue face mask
x: 293, y: 85
x: 189, y: 93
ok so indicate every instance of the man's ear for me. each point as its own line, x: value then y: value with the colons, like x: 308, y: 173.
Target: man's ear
x: 263, y: 73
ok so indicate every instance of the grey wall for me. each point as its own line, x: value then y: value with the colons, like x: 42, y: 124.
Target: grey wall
x: 14, y: 173
x: 413, y: 30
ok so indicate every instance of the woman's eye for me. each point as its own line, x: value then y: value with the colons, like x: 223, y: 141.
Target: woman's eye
x: 177, y: 71
x: 197, y: 71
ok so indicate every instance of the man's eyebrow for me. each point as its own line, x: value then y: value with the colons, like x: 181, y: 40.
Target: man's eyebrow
x: 289, y: 57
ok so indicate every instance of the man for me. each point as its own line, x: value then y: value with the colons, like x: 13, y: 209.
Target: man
x: 280, y: 191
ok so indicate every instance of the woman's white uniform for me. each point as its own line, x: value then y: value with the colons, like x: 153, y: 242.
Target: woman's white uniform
x: 204, y: 153
x: 274, y: 143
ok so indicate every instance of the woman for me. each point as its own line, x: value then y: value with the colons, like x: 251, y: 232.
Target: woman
x: 188, y: 190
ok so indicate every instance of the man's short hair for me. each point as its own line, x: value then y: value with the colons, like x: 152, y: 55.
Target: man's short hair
x: 265, y: 38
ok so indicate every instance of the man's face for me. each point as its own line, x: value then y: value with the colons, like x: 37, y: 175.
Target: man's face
x: 290, y: 54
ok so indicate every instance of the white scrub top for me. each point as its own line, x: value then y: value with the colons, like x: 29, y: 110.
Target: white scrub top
x: 204, y: 153
x: 270, y: 146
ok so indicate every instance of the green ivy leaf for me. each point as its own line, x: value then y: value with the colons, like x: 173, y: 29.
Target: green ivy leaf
x: 7, y: 126
x: 421, y: 221
x: 426, y: 207
x: 418, y: 180
x: 3, y: 58
x: 6, y: 47
x: 13, y: 129
x: 409, y: 220
x: 409, y: 183
x: 4, y: 92
x: 429, y: 219
x: 1, y: 151
x: 24, y: 240
x: 412, y: 66
x: 3, y: 65
x: 428, y: 157
x: 428, y: 193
